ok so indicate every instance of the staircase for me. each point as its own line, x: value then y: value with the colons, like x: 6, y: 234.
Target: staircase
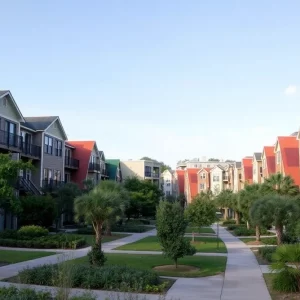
x: 28, y: 186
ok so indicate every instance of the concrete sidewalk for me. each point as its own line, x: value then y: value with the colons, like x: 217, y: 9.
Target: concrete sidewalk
x: 243, y: 276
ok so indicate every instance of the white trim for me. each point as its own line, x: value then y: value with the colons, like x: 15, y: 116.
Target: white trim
x: 57, y: 119
x: 14, y: 103
x: 42, y: 160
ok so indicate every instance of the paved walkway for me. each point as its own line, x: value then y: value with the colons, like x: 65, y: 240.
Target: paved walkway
x: 243, y: 275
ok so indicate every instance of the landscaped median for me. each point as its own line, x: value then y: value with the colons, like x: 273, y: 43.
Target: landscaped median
x: 202, y: 244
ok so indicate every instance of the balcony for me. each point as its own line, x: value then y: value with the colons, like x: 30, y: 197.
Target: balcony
x: 93, y: 167
x: 31, y: 150
x: 226, y: 178
x: 51, y: 184
x: 10, y: 141
x: 152, y: 174
x: 71, y: 163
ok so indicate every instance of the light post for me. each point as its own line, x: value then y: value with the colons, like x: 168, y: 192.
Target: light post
x: 218, y: 215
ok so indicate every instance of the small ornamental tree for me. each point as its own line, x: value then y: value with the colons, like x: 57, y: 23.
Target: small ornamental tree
x: 171, y: 226
x: 201, y: 212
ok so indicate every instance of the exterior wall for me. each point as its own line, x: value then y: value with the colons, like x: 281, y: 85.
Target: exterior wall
x: 10, y: 113
x: 56, y: 130
x: 216, y: 180
x: 187, y: 191
x: 257, y: 171
x: 203, y: 181
x: 168, y: 183
x: 205, y: 164
x: 237, y: 179
x: 278, y: 160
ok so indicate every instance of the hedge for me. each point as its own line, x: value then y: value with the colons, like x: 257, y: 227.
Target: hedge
x: 121, y: 278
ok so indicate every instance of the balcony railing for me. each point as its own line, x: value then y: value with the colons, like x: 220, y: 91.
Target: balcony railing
x: 71, y: 162
x: 10, y: 140
x: 31, y: 150
x: 151, y: 174
x: 52, y: 184
x: 94, y: 167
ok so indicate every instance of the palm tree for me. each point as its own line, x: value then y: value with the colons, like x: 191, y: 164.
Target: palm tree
x: 274, y: 209
x: 118, y: 210
x: 96, y: 207
x: 286, y: 263
x: 282, y: 185
x: 246, y: 198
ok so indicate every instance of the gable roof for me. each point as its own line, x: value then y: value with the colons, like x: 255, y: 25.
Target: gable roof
x: 248, y: 169
x: 193, y: 181
x: 217, y: 166
x: 289, y: 148
x: 180, y: 180
x: 257, y: 156
x: 270, y: 158
x: 39, y: 123
x: 112, y: 166
x: 207, y: 170
x: 4, y: 93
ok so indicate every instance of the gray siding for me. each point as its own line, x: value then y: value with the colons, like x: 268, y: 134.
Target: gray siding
x: 9, y: 111
x: 56, y: 130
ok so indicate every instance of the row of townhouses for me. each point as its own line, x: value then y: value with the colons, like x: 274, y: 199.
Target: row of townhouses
x: 57, y: 160
x: 194, y: 176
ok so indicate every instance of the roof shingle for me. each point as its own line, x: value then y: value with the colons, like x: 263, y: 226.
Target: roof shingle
x: 39, y: 123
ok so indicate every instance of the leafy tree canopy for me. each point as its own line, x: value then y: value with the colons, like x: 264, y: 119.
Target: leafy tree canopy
x: 214, y: 159
x: 9, y: 172
x: 163, y: 166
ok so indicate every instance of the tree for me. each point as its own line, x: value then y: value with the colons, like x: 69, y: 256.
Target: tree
x: 9, y: 173
x: 37, y: 210
x: 214, y: 159
x: 279, y: 184
x: 274, y: 209
x: 118, y: 210
x: 246, y: 198
x: 96, y: 208
x: 201, y: 212
x: 171, y: 226
x: 144, y: 196
x: 182, y: 200
x: 163, y: 166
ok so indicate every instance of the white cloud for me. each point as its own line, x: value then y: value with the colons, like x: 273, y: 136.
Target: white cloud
x: 290, y: 90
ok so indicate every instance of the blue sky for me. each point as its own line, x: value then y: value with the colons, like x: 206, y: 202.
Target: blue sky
x: 165, y: 79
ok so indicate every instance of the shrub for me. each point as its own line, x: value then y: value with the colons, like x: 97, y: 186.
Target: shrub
x: 96, y: 256
x: 13, y: 293
x: 234, y: 226
x: 243, y: 231
x: 53, y: 241
x: 267, y: 253
x: 115, y: 277
x: 229, y: 222
x: 285, y: 281
x: 9, y: 234
x: 32, y: 231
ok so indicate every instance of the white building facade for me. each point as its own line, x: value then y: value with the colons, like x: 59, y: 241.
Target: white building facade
x: 168, y: 183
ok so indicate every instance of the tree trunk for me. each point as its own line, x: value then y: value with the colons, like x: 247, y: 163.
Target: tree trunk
x: 257, y: 232
x: 237, y: 218
x: 176, y: 263
x: 248, y: 225
x: 193, y: 237
x: 108, y: 228
x: 226, y: 213
x: 98, y: 232
x: 279, y: 233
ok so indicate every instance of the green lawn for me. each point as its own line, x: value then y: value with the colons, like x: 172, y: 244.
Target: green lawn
x: 91, y: 238
x: 266, y: 240
x: 279, y: 295
x: 208, y: 265
x: 202, y: 244
x: 199, y: 230
x: 12, y: 257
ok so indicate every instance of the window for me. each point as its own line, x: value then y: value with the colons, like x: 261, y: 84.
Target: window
x: 47, y: 174
x: 216, y: 178
x: 202, y: 186
x: 68, y: 152
x: 58, y: 150
x: 168, y: 184
x: 48, y: 144
x: 278, y: 157
x: 93, y: 159
x: 202, y: 176
x: 11, y: 130
x: 57, y: 175
x: 148, y: 171
x: 240, y: 176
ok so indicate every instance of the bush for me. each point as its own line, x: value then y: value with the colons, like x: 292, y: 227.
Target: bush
x: 267, y: 253
x: 32, y: 231
x: 96, y: 256
x: 116, y: 277
x: 229, y: 222
x: 53, y: 241
x: 13, y: 293
x: 234, y: 226
x: 116, y: 228
x: 285, y: 281
x: 243, y: 231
